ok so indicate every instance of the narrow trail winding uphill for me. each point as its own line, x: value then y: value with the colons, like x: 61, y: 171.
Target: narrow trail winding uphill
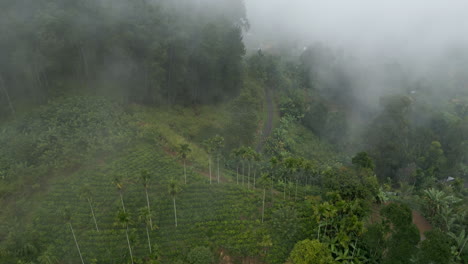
x: 268, y: 125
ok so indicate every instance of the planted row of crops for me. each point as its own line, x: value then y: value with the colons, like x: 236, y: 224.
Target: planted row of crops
x: 219, y: 215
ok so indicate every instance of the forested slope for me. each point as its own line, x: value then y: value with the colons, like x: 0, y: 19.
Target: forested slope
x: 128, y: 134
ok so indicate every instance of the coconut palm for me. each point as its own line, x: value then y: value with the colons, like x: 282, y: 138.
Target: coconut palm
x: 256, y: 160
x: 236, y: 153
x: 123, y: 220
x: 66, y: 214
x: 247, y: 155
x: 174, y: 189
x: 218, y: 142
x: 184, y: 151
x: 145, y: 177
x: 264, y: 182
x: 144, y: 216
x: 85, y: 193
x: 207, y: 144
x: 214, y: 145
x: 118, y: 182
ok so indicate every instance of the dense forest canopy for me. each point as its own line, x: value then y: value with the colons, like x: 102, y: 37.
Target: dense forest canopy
x: 141, y: 51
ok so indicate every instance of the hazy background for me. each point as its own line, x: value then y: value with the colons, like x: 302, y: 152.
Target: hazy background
x: 383, y: 47
x: 396, y: 27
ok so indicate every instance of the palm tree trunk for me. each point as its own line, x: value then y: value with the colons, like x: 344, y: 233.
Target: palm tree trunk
x: 92, y: 212
x: 149, y: 241
x: 149, y: 210
x: 263, y: 204
x: 218, y: 169
x: 185, y: 173
x: 121, y: 199
x: 175, y: 212
x: 209, y: 164
x: 248, y: 176
x: 243, y: 172
x: 128, y: 242
x: 76, y: 243
x: 255, y: 172
x: 284, y: 190
x: 295, y: 195
x: 2, y: 84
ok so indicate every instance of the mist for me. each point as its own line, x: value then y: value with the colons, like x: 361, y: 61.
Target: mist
x: 383, y: 47
x: 380, y: 28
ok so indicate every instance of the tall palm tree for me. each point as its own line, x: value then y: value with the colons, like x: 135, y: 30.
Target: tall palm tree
x: 264, y: 183
x: 66, y: 213
x: 218, y: 142
x: 85, y: 193
x: 256, y: 160
x: 123, y: 220
x: 144, y: 216
x: 207, y: 144
x: 173, y: 190
x: 236, y: 154
x: 145, y: 178
x: 120, y: 186
x: 184, y: 151
x: 247, y: 153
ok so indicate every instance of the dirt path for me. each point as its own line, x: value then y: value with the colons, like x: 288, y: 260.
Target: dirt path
x: 422, y: 224
x: 268, y: 126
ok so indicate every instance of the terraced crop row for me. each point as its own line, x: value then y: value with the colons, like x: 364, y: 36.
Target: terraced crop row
x: 225, y: 215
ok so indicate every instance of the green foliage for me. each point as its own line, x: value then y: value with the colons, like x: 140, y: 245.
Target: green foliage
x: 293, y: 104
x: 184, y: 150
x: 245, y: 115
x: 363, y: 160
x: 146, y: 52
x: 398, y: 214
x: 436, y: 248
x: 388, y: 134
x: 339, y: 224
x: 439, y: 208
x: 200, y: 255
x: 286, y: 231
x: 310, y: 252
x: 374, y: 241
x: 351, y: 183
x: 404, y: 234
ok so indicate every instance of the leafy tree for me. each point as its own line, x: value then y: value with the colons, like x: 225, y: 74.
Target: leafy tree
x: 363, y: 160
x: 352, y: 183
x: 374, y: 242
x: 389, y: 135
x: 200, y: 255
x: 339, y: 224
x: 437, y: 206
x: 460, y: 240
x: 310, y: 252
x: 285, y: 227
x: 436, y: 248
x: 404, y: 235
